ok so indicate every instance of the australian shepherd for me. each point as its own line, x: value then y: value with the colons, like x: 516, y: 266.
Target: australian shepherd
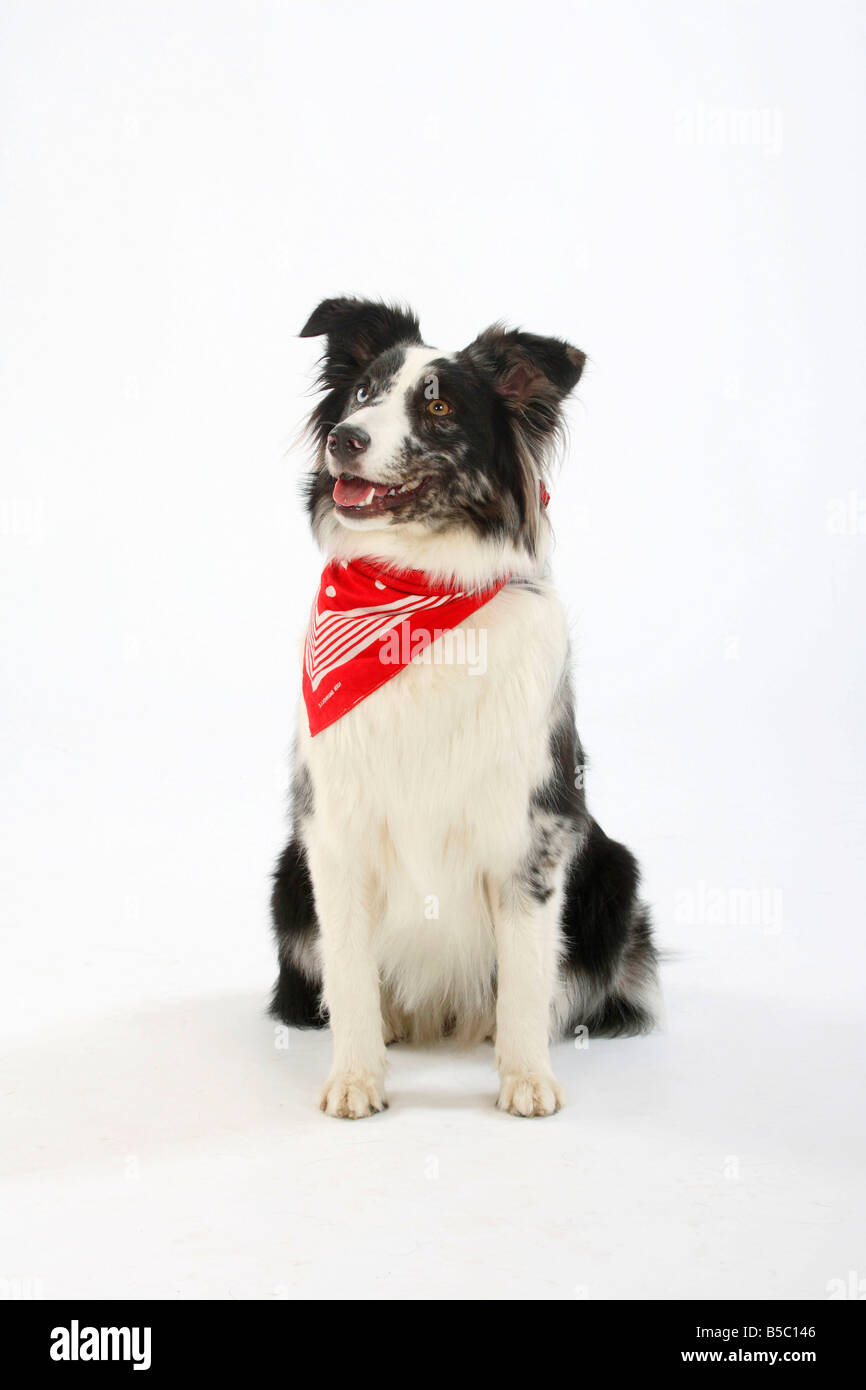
x: 444, y: 877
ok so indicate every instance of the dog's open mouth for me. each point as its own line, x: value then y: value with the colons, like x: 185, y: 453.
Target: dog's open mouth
x: 358, y: 495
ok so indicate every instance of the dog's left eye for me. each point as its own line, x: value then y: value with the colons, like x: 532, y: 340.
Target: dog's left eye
x: 438, y: 408
x: 362, y: 393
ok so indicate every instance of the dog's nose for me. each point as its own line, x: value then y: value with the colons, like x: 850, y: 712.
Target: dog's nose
x: 347, y: 440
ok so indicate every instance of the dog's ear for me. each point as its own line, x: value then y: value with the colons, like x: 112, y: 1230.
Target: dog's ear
x: 358, y: 330
x: 533, y: 375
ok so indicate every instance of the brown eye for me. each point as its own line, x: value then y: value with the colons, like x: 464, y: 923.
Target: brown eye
x: 438, y: 407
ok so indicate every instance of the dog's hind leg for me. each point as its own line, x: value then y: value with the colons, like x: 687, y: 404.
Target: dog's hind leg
x: 396, y: 1024
x: 608, y: 978
x: 297, y: 996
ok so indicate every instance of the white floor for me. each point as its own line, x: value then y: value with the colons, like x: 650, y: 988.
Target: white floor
x: 172, y: 1151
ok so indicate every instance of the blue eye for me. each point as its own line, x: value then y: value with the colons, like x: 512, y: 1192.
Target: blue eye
x: 362, y: 394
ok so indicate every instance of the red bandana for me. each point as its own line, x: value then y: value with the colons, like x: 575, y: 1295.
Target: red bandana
x: 367, y: 624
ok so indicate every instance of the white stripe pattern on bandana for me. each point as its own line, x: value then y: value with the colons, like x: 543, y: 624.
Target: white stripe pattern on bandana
x: 336, y: 637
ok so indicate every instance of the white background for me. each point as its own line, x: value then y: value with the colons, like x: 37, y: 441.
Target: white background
x: 678, y: 190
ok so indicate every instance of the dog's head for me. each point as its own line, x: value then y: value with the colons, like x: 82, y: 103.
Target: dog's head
x: 427, y: 448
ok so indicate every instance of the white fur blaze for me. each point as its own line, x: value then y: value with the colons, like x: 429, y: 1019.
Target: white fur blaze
x: 418, y: 831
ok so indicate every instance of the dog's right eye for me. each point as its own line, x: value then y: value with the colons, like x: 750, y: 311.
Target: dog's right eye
x: 362, y: 394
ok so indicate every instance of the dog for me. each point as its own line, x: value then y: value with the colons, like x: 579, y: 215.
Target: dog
x: 443, y: 875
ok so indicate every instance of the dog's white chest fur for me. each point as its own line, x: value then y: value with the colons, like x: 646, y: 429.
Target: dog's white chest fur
x: 420, y: 793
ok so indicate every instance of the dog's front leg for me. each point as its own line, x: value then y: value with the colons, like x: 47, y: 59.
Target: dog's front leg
x: 356, y: 1085
x: 526, y: 943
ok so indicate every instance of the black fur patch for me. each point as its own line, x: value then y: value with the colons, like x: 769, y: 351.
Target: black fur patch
x: 296, y: 999
x: 358, y: 331
x: 563, y: 792
x: 621, y: 1014
x: 607, y: 934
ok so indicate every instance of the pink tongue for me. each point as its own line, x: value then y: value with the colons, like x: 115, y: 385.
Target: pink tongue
x: 356, y: 491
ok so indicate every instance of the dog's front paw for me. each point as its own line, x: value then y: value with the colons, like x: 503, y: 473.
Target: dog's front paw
x: 530, y: 1093
x: 352, y: 1095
